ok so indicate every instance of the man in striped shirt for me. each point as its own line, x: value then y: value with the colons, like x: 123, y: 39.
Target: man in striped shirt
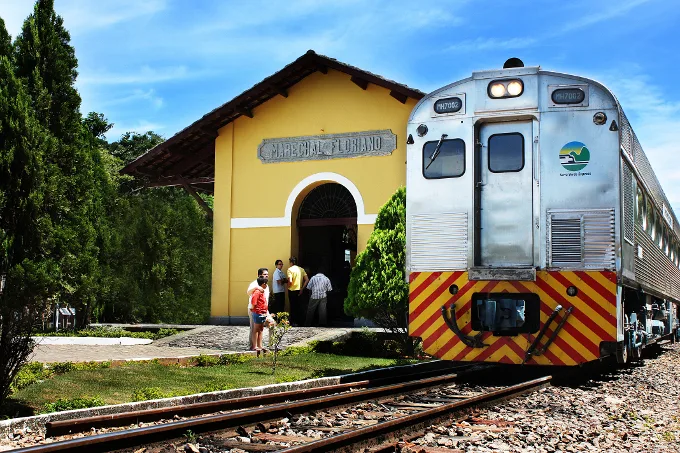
x: 319, y: 285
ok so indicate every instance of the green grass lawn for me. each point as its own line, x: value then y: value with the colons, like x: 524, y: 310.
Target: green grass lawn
x: 137, y: 381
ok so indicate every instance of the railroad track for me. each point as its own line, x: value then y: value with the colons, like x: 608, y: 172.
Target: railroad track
x: 392, y: 410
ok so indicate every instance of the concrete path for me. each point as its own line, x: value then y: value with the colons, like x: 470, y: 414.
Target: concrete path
x: 92, y: 353
x: 92, y: 341
x: 207, y: 340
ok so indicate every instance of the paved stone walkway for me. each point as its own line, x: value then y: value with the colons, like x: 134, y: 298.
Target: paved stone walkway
x: 202, y: 340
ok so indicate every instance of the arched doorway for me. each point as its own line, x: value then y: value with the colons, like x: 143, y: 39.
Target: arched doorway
x: 327, y: 228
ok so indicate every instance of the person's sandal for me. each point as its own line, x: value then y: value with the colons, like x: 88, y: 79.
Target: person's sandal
x: 258, y: 351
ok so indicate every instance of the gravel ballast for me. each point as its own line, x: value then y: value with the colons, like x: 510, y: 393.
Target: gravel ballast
x: 633, y: 409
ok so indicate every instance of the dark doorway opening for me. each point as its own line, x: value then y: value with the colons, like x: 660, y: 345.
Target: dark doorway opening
x: 327, y: 226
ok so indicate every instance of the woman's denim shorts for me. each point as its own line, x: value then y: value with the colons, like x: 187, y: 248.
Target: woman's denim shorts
x: 258, y: 318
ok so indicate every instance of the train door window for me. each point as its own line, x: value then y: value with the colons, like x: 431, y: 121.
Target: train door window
x: 640, y: 211
x: 445, y: 160
x: 506, y: 152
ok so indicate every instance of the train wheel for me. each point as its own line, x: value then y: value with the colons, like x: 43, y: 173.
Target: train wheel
x: 621, y: 354
x: 636, y: 354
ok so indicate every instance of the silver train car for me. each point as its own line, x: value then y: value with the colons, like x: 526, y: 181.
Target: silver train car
x: 537, y: 232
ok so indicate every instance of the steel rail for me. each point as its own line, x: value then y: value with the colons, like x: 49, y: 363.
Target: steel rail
x: 410, y: 422
x: 138, y: 436
x: 78, y: 425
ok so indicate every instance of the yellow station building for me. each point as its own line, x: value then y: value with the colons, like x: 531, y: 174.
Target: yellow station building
x: 299, y: 165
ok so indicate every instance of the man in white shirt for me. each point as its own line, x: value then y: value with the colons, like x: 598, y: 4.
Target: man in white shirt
x: 319, y: 285
x: 261, y: 272
x: 279, y: 287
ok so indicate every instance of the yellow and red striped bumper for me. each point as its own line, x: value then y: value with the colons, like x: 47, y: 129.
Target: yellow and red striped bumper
x: 592, y: 321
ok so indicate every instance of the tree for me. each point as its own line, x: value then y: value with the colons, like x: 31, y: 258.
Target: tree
x: 5, y: 41
x: 46, y: 64
x: 156, y: 261
x: 378, y: 289
x: 27, y: 273
x: 132, y: 145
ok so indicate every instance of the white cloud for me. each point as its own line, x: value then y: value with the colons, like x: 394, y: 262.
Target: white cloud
x: 480, y: 44
x: 145, y: 75
x: 80, y: 15
x: 137, y: 95
x: 140, y: 126
x: 616, y: 10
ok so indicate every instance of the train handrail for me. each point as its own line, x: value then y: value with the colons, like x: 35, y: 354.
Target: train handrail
x: 534, y: 350
x: 452, y: 322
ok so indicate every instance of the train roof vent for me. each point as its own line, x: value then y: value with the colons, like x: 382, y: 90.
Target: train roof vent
x: 513, y: 63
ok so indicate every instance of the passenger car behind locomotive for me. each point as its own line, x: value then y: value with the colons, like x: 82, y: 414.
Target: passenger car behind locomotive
x: 536, y: 229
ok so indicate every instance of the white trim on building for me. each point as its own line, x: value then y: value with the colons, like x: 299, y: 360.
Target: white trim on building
x: 285, y: 221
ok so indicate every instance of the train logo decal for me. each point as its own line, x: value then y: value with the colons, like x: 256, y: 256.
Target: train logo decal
x: 574, y: 156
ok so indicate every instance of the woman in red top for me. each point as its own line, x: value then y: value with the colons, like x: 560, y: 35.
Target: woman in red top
x: 259, y: 312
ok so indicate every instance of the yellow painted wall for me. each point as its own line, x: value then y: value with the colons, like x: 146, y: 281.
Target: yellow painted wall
x: 247, y: 188
x: 222, y: 223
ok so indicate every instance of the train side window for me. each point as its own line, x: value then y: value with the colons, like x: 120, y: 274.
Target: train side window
x: 446, y: 162
x: 663, y: 237
x: 649, y: 210
x: 652, y: 222
x: 640, y: 211
x: 506, y: 152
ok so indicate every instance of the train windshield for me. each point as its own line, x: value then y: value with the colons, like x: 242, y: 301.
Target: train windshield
x: 446, y: 162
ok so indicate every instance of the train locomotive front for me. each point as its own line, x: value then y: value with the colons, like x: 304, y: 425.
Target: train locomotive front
x: 517, y: 235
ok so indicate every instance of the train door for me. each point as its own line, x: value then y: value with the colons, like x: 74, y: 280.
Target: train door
x: 504, y: 182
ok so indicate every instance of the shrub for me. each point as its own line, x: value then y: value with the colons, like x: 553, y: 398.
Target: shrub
x: 62, y: 367
x: 68, y: 404
x: 106, y: 332
x: 206, y: 360
x: 296, y: 350
x: 29, y: 374
x: 378, y: 289
x: 149, y: 393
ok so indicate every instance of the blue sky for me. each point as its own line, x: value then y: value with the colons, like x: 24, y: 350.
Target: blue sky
x: 161, y: 64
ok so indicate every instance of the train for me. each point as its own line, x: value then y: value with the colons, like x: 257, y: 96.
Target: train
x: 536, y: 230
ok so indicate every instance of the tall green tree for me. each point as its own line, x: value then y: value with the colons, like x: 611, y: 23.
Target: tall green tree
x: 158, y: 261
x: 5, y: 41
x: 27, y: 271
x: 377, y: 289
x: 46, y: 63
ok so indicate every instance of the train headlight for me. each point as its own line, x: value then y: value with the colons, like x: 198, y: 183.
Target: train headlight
x: 515, y: 88
x: 510, y: 88
x: 497, y: 90
x: 572, y: 291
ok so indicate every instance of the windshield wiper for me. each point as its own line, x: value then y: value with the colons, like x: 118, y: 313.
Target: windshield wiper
x: 436, y: 150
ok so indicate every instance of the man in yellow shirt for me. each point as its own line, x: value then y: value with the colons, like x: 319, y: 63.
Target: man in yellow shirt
x: 297, y: 282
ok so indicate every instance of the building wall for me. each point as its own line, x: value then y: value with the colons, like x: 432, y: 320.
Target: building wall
x: 256, y: 203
